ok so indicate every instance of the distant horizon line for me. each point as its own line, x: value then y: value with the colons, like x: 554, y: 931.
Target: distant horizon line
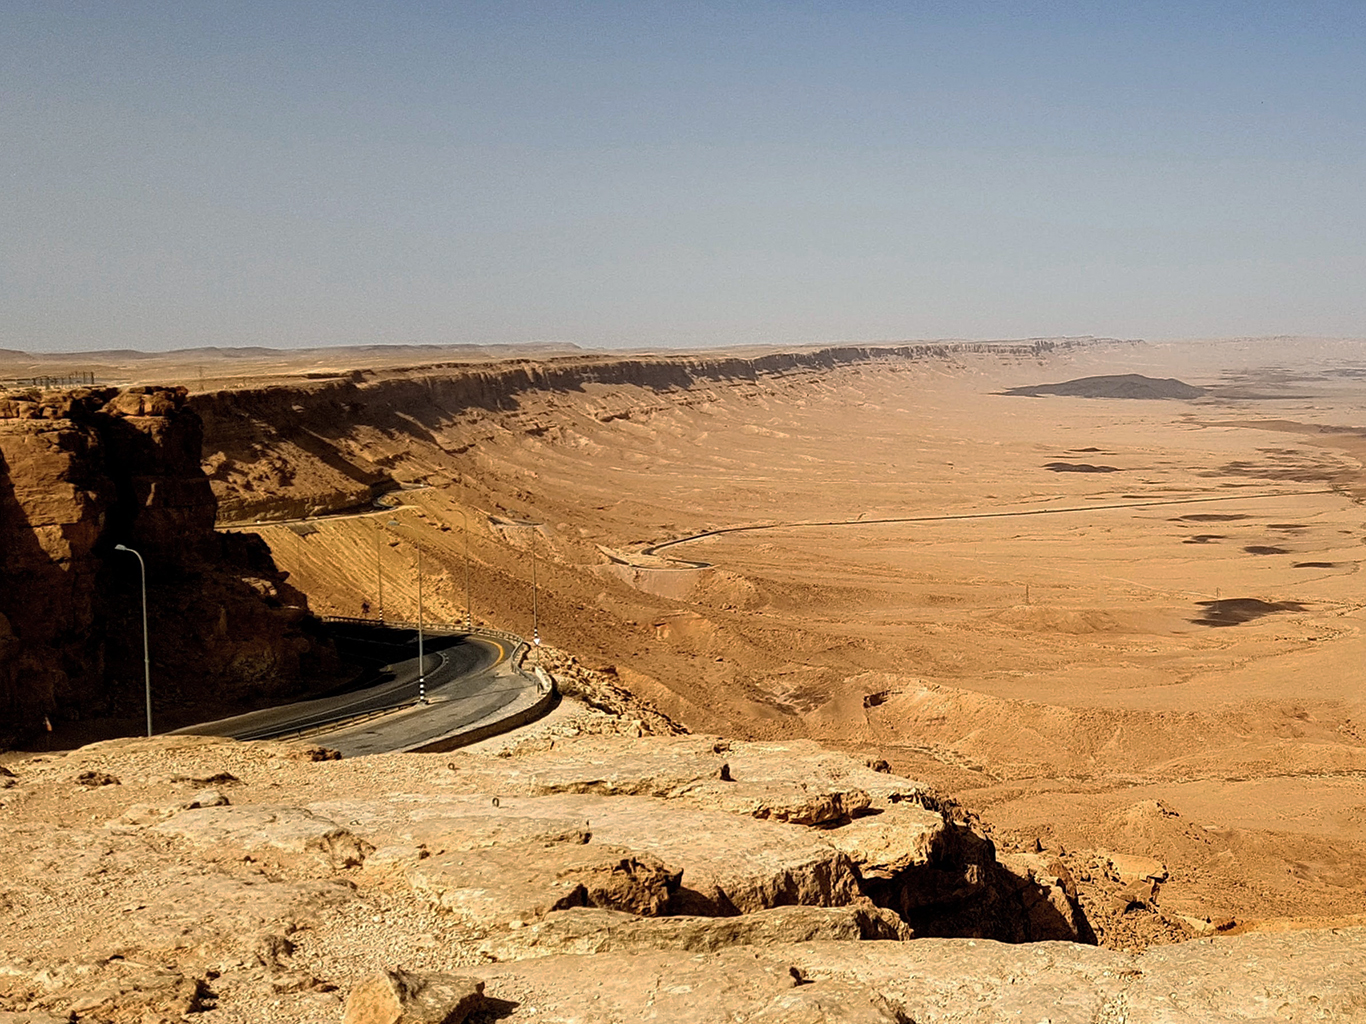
x: 476, y: 347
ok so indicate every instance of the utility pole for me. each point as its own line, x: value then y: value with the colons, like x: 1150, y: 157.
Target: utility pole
x: 379, y: 570
x: 535, y: 603
x: 469, y: 615
x: 421, y: 669
x: 421, y: 666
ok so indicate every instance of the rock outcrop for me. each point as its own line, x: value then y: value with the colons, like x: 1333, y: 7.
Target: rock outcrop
x: 533, y: 887
x: 82, y: 471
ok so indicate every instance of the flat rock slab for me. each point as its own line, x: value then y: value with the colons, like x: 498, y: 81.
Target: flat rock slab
x: 511, y: 885
x: 1246, y: 978
x: 688, y: 770
x: 730, y: 863
x: 413, y: 819
x: 902, y: 837
x: 589, y: 930
x: 740, y: 986
x: 678, y: 766
x: 403, y: 997
x: 288, y: 829
x: 623, y: 769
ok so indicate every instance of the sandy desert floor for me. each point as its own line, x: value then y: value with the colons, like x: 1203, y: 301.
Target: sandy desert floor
x: 1161, y: 654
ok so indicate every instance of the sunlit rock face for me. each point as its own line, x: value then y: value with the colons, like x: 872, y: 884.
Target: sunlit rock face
x: 82, y: 471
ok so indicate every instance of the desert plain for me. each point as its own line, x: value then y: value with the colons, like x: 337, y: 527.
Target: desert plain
x: 1106, y: 622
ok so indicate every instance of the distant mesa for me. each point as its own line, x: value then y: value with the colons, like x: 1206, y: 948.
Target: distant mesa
x: 1120, y: 385
x: 1079, y: 467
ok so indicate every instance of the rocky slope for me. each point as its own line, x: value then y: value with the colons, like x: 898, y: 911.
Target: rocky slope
x: 289, y: 450
x: 81, y: 471
x: 582, y: 874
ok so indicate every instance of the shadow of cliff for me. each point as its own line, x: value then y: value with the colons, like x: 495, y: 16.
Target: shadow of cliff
x: 40, y: 641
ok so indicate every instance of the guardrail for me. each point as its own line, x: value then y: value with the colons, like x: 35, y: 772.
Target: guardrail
x: 434, y: 627
x: 545, y: 693
x: 428, y: 627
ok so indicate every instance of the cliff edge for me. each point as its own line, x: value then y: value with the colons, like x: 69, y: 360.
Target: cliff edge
x: 81, y: 471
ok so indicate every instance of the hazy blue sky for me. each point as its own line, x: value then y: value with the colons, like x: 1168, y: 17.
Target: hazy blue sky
x: 221, y: 173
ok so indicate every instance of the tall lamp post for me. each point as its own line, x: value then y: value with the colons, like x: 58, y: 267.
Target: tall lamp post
x: 146, y: 645
x: 421, y: 667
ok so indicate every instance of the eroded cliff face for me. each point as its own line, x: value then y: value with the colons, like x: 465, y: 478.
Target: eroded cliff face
x: 286, y: 451
x: 82, y: 471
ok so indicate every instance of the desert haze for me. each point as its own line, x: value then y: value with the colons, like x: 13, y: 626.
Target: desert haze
x: 1099, y: 594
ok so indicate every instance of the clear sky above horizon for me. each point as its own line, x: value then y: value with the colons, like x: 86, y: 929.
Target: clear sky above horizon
x: 638, y: 174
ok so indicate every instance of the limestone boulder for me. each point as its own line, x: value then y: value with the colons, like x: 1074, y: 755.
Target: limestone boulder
x: 1235, y: 980
x: 288, y: 829
x: 731, y: 863
x: 628, y: 768
x: 589, y: 930
x: 743, y: 985
x: 886, y: 845
x: 1045, y: 897
x: 793, y: 802
x: 511, y: 885
x: 701, y: 771
x: 438, y: 823
x: 404, y: 997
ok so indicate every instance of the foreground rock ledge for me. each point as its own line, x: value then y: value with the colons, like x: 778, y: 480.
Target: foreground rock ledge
x: 589, y: 876
x: 1302, y: 976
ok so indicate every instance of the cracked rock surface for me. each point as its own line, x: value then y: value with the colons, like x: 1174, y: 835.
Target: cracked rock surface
x: 588, y: 877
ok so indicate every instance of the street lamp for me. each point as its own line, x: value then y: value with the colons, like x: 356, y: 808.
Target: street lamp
x: 421, y: 668
x: 146, y: 647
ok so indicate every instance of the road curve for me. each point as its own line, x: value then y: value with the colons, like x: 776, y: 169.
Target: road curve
x: 471, y: 680
x: 652, y: 550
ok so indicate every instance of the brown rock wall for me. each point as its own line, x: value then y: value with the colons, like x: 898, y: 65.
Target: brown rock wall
x: 80, y: 472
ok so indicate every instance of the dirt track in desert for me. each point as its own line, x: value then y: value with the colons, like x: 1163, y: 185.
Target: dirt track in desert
x: 1180, y: 681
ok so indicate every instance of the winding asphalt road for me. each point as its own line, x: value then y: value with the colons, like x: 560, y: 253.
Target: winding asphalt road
x: 653, y: 550
x: 470, y: 679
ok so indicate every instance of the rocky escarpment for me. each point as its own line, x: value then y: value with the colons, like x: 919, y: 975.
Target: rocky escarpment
x: 577, y: 876
x: 82, y: 471
x: 284, y: 451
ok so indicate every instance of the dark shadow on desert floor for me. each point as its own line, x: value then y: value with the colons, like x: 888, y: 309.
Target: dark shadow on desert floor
x: 1234, y: 611
x: 1079, y: 467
